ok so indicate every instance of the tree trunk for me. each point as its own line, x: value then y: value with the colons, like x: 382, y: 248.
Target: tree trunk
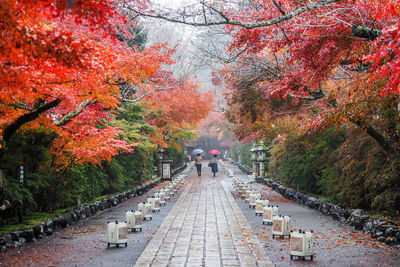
x: 28, y: 117
x: 375, y: 134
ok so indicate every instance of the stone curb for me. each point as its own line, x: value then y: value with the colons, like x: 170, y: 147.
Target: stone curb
x: 39, y: 231
x: 257, y: 250
x: 382, y: 230
x: 379, y: 229
x: 242, y: 168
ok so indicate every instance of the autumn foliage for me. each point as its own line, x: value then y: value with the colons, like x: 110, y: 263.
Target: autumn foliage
x: 62, y: 68
x: 307, y: 70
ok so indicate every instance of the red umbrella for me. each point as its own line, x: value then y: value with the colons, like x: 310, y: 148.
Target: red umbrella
x: 214, y: 152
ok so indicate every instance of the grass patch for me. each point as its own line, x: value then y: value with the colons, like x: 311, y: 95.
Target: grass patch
x: 34, y: 218
x: 29, y: 220
x: 385, y: 217
x: 101, y: 197
x: 325, y: 198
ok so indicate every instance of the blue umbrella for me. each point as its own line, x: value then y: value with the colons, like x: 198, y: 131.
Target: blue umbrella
x: 197, y: 151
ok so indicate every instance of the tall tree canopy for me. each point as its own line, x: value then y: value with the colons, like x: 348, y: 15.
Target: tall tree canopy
x: 64, y: 66
x: 332, y: 61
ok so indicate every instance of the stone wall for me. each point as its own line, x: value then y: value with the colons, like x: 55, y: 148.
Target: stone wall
x: 381, y: 230
x: 17, y: 238
x: 178, y: 170
x: 243, y: 168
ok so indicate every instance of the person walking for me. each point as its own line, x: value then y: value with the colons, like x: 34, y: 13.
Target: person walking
x: 197, y: 163
x: 214, y: 165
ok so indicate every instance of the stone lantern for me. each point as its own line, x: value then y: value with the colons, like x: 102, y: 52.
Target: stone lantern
x: 165, y: 165
x: 259, y: 158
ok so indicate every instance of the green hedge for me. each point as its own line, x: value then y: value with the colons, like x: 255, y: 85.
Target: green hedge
x: 47, y: 191
x: 344, y: 166
x: 244, y: 150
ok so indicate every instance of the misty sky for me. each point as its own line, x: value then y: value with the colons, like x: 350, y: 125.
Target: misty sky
x: 187, y: 56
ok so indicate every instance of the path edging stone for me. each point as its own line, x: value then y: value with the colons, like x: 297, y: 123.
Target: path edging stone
x: 85, y: 211
x: 380, y: 229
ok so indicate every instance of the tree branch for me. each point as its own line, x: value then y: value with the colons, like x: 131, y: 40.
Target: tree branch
x: 375, y: 134
x: 279, y: 7
x: 225, y: 20
x: 146, y: 94
x: 28, y: 117
x: 365, y: 32
x: 67, y: 118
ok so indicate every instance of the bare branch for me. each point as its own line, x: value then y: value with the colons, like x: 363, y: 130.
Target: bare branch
x: 225, y: 20
x: 171, y: 86
x: 279, y: 7
x: 67, y: 118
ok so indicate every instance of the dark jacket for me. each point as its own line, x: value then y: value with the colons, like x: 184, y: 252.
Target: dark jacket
x: 214, y: 165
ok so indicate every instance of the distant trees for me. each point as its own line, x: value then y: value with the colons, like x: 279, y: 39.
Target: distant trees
x: 81, y: 89
x: 307, y: 67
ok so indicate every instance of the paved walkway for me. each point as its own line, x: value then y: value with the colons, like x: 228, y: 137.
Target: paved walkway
x: 206, y: 227
x: 335, y: 244
x: 85, y: 244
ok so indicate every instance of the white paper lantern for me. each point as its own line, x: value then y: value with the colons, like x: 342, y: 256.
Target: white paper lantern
x: 301, y: 244
x: 281, y: 226
x: 117, y: 233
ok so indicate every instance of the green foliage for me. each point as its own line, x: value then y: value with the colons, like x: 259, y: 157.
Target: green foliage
x: 30, y: 148
x: 345, y: 166
x: 244, y: 150
x: 46, y: 190
x: 176, y: 154
x: 136, y: 37
x: 29, y: 220
x: 369, y: 177
x: 308, y: 163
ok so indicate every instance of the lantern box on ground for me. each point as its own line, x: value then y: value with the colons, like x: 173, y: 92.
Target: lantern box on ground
x: 141, y: 207
x: 260, y: 204
x: 147, y: 213
x: 166, y: 173
x: 268, y: 214
x: 117, y: 233
x: 281, y: 226
x: 301, y: 244
x: 252, y: 199
x: 239, y: 187
x: 162, y: 198
x: 167, y: 195
x: 244, y: 191
x: 248, y: 192
x: 155, y: 203
x: 251, y: 178
x: 134, y: 220
x: 175, y: 187
x: 171, y: 190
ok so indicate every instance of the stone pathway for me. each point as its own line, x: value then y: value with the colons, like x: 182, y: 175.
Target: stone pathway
x: 335, y: 244
x: 85, y: 244
x: 206, y: 227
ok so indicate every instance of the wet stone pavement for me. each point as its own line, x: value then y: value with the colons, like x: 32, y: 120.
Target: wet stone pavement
x: 85, y: 244
x: 205, y: 228
x: 205, y: 224
x: 335, y: 243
